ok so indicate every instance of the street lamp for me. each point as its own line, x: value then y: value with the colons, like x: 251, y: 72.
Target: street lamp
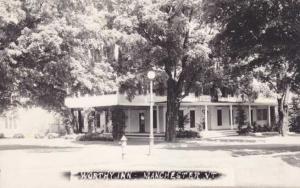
x: 151, y: 76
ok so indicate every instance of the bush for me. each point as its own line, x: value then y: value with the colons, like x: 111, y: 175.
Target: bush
x: 2, y: 135
x: 95, y: 137
x: 266, y: 128
x: 38, y: 136
x: 240, y: 119
x: 259, y: 128
x: 294, y: 115
x: 71, y: 136
x: 245, y: 130
x: 18, y: 135
x: 295, y: 129
x: 52, y: 135
x: 187, y: 134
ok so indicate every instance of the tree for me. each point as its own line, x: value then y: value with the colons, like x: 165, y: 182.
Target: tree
x: 260, y: 37
x: 52, y: 49
x: 294, y: 115
x: 168, y: 37
x: 241, y: 117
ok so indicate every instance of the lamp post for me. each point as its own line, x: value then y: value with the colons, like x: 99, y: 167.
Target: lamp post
x: 151, y: 76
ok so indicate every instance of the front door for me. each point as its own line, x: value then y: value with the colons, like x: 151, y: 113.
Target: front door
x: 142, y: 122
x: 219, y: 117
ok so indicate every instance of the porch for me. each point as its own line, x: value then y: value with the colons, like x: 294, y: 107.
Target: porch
x: 202, y: 114
x: 217, y: 116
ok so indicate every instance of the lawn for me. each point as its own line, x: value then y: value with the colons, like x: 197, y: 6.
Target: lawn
x: 42, y: 163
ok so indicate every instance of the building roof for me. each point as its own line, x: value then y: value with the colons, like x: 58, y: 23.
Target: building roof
x: 144, y: 100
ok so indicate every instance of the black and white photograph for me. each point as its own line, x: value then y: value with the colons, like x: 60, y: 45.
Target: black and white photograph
x: 149, y: 93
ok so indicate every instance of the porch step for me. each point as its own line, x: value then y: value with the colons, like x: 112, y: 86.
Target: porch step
x: 218, y: 133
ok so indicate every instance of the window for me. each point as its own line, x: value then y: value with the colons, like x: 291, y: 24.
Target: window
x: 106, y: 117
x: 262, y: 114
x: 154, y: 119
x: 219, y: 114
x: 98, y: 119
x: 192, y: 118
x: 180, y: 119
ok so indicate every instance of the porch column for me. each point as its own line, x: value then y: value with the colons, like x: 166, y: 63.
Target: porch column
x: 276, y: 113
x: 205, y: 115
x: 250, y: 122
x: 269, y: 116
x: 157, y: 119
x: 164, y: 119
x: 231, y: 119
x: 85, y: 122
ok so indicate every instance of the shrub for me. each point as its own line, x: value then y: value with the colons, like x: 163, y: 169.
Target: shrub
x: 95, y: 137
x: 241, y: 117
x: 182, y: 120
x: 187, y: 134
x: 274, y: 128
x: 52, y: 135
x: 71, y: 136
x: 245, y: 130
x: 2, y: 135
x: 294, y: 115
x: 18, y: 135
x: 259, y: 128
x: 38, y: 136
x: 266, y: 128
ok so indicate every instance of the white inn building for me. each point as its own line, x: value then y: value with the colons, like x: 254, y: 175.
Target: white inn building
x: 200, y: 110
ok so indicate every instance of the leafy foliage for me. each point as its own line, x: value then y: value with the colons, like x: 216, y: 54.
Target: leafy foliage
x: 169, y: 38
x: 50, y: 50
x: 261, y: 38
x: 95, y: 137
x: 187, y: 134
x: 294, y: 115
x: 241, y: 117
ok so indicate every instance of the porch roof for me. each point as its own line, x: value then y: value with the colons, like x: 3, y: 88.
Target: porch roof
x: 144, y: 101
x: 220, y: 103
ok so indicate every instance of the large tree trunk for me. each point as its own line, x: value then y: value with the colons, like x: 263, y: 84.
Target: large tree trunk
x: 173, y: 105
x: 283, y: 121
x: 282, y: 117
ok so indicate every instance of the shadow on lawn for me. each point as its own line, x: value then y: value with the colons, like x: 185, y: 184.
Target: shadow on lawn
x: 130, y: 142
x: 239, y: 150
x: 36, y: 148
x: 291, y: 158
